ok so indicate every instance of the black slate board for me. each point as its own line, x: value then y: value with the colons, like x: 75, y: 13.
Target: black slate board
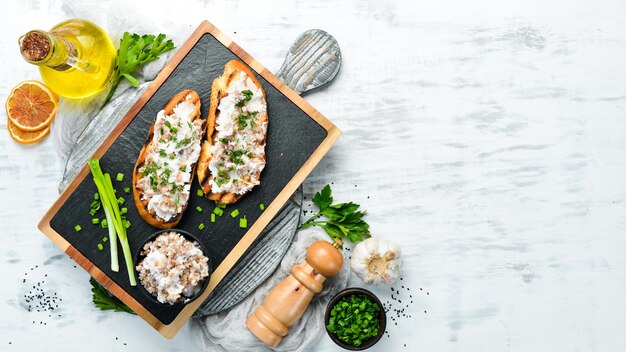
x: 292, y: 138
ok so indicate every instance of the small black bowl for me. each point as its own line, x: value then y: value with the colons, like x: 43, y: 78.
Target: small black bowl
x: 138, y: 258
x: 382, y: 318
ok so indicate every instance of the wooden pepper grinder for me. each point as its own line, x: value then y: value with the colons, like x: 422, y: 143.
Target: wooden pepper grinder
x: 286, y: 302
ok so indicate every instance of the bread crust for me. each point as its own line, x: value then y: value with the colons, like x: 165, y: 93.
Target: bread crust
x: 142, y: 205
x: 218, y: 91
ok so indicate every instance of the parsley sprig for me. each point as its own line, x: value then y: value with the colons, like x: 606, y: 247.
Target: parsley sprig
x: 134, y: 52
x: 105, y: 301
x: 343, y: 220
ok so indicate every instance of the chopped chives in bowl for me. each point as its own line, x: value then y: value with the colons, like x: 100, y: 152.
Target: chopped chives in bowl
x: 355, y: 319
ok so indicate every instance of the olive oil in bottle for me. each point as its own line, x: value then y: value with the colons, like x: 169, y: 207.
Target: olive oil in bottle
x: 76, y: 58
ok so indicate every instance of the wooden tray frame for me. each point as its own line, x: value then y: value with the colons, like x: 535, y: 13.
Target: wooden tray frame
x: 170, y: 330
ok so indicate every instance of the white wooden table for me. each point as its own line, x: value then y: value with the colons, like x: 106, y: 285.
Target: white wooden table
x: 487, y: 137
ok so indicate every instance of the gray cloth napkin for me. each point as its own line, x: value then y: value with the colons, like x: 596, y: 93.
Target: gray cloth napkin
x: 227, y: 331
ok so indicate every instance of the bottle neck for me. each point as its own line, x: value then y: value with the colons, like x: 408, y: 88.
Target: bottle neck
x: 42, y: 48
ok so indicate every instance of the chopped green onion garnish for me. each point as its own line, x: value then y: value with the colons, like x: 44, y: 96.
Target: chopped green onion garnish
x: 234, y: 213
x: 95, y: 221
x: 100, y: 246
x: 354, y: 319
x: 262, y: 206
x: 243, y: 222
x: 121, y: 200
x: 126, y: 189
x: 104, y: 239
x: 77, y: 228
x: 200, y: 193
x: 104, y: 224
x: 201, y: 226
x: 123, y: 211
x: 96, y: 196
x: 120, y: 177
x: 212, y: 217
x: 199, y: 209
x: 218, y: 211
x: 93, y: 212
x: 220, y: 205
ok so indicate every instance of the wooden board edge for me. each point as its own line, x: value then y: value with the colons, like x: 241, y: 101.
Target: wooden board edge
x: 333, y: 133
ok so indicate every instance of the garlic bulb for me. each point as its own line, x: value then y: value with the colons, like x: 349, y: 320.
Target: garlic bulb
x: 376, y: 261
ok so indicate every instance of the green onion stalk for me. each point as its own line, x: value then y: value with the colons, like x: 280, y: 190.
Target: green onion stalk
x: 114, y: 219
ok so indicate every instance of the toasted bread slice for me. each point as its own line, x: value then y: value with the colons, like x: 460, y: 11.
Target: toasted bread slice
x: 246, y: 108
x: 179, y: 129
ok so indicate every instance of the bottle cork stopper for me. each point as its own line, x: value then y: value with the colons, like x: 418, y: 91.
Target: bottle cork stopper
x: 35, y: 46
